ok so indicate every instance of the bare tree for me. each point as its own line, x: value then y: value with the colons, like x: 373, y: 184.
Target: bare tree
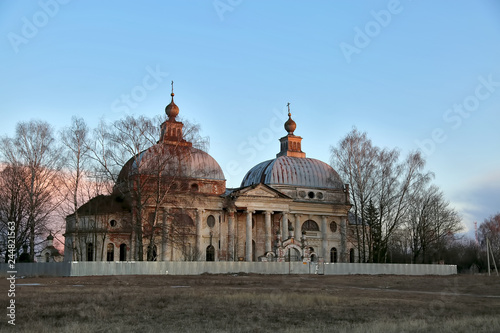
x: 490, y: 229
x: 146, y: 171
x: 430, y: 223
x: 35, y: 149
x: 13, y: 206
x: 397, y: 183
x: 356, y: 160
x: 381, y: 186
x: 74, y: 140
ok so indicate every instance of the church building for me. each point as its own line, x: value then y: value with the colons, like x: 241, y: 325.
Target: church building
x: 170, y: 203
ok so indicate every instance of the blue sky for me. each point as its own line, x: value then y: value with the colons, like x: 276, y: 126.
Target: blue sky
x: 412, y: 74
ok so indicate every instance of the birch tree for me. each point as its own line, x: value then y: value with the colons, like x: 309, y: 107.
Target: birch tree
x: 34, y: 148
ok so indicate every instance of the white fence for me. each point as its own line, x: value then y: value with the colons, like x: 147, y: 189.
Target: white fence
x: 221, y: 267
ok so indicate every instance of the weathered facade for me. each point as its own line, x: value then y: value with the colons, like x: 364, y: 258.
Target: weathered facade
x: 170, y: 203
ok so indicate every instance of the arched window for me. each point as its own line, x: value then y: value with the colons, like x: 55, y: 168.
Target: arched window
x: 210, y: 253
x: 47, y: 257
x: 333, y: 255
x: 310, y: 225
x: 194, y: 188
x: 351, y: 255
x: 110, y: 252
x: 183, y: 229
x: 90, y: 252
x: 123, y: 252
x: 152, y: 255
x: 333, y: 226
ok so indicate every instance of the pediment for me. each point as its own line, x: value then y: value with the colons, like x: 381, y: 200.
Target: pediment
x: 259, y: 191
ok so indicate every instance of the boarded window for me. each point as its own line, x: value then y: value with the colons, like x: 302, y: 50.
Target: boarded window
x: 211, y: 221
x: 110, y: 256
x: 333, y: 255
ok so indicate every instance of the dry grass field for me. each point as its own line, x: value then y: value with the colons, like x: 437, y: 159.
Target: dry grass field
x: 256, y: 303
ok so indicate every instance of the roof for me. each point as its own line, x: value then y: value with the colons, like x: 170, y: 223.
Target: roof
x: 294, y: 171
x: 194, y: 163
x: 105, y: 204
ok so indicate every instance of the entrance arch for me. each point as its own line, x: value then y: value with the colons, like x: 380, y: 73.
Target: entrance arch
x: 292, y: 253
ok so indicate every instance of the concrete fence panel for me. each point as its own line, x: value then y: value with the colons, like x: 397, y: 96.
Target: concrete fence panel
x: 200, y: 267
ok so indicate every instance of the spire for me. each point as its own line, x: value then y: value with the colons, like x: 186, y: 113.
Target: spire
x: 291, y: 144
x: 172, y: 110
x: 171, y: 129
x: 290, y: 125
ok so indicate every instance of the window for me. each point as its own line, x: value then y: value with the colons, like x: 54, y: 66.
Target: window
x: 112, y: 223
x: 194, y: 188
x: 123, y: 252
x: 152, y: 255
x: 310, y: 225
x: 181, y: 220
x: 210, y: 256
x: 110, y: 252
x: 351, y: 255
x: 211, y: 221
x: 333, y: 226
x: 310, y: 195
x: 333, y: 255
x: 47, y: 257
x: 90, y: 252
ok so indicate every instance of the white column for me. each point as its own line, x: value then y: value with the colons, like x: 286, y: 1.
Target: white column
x: 248, y: 252
x: 324, y: 237
x: 230, y: 233
x: 268, y: 243
x: 198, y: 249
x: 343, y: 239
x: 298, y: 232
x: 284, y: 226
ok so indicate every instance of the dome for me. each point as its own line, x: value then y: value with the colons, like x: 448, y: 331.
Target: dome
x: 172, y: 110
x: 185, y: 162
x: 294, y: 171
x: 290, y: 125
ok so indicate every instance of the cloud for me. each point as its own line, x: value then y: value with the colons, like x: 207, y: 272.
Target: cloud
x: 477, y: 199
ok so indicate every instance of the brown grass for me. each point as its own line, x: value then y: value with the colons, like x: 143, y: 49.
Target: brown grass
x: 257, y: 303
